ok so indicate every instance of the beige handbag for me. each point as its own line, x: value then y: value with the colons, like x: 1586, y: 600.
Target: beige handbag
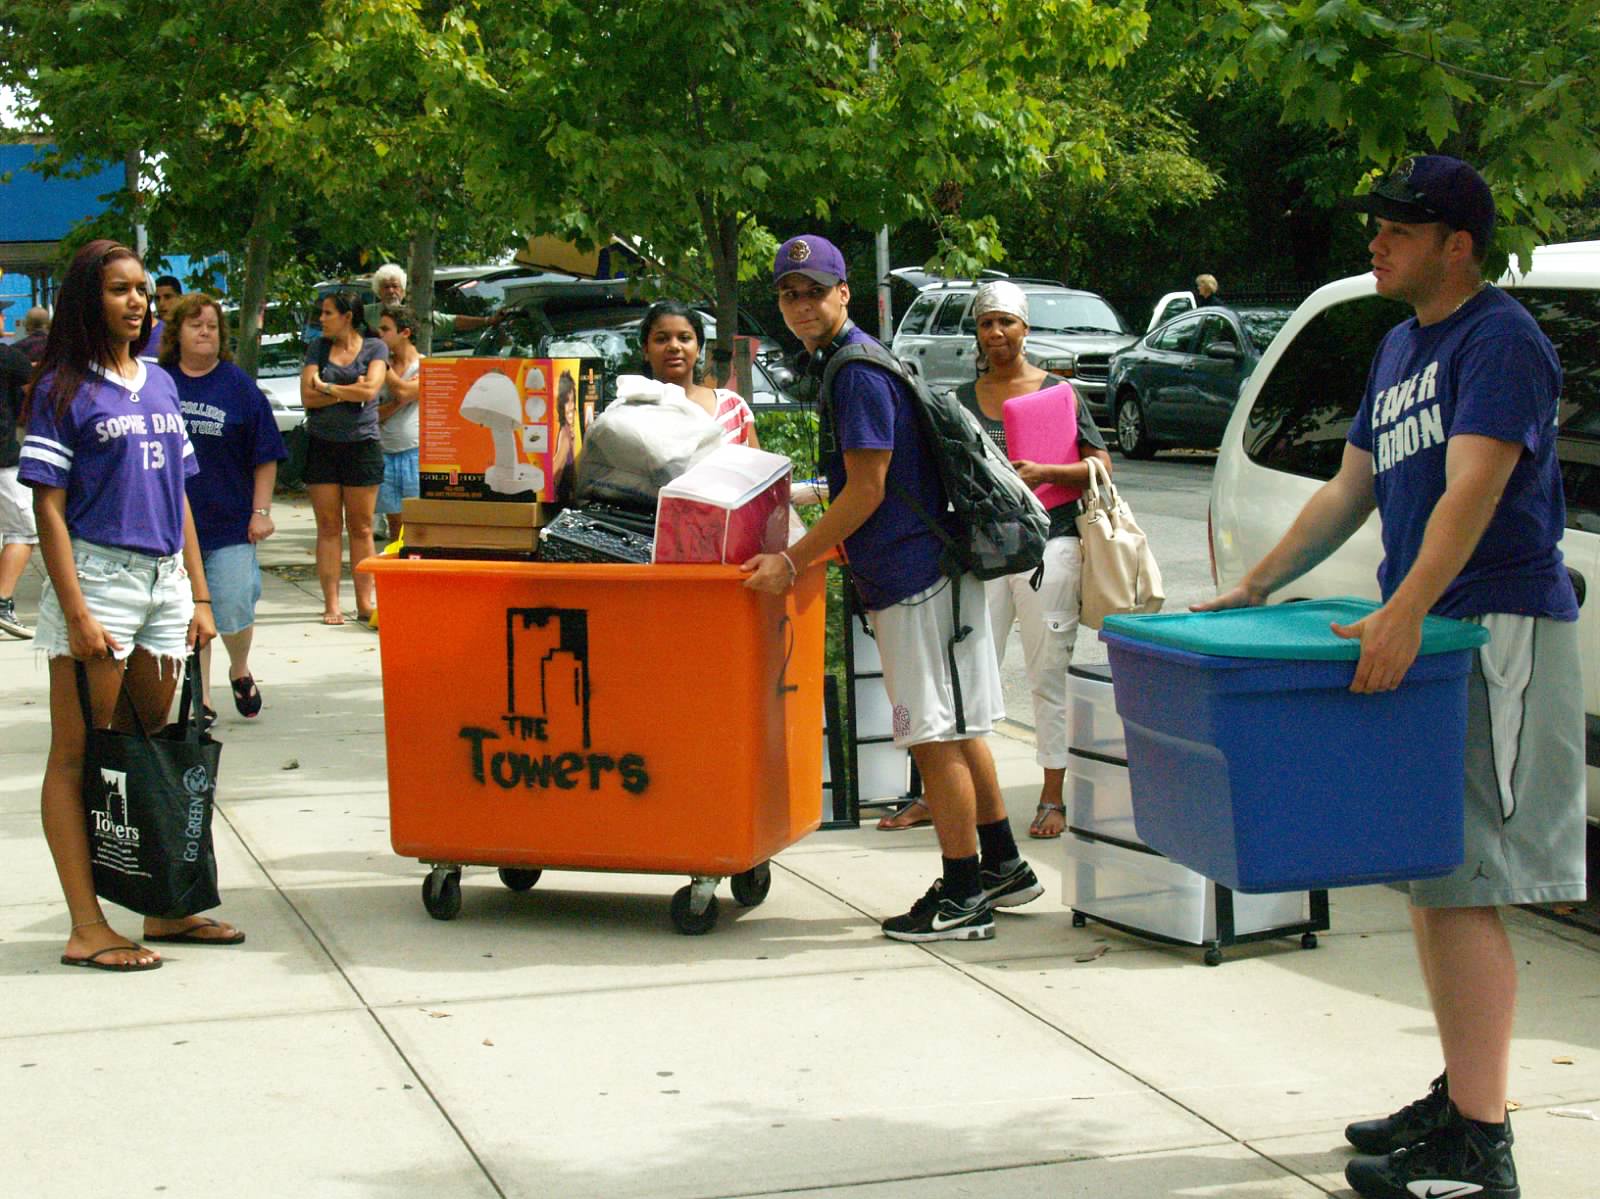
x: 1119, y: 571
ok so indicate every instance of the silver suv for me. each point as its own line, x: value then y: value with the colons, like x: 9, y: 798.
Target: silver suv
x: 1071, y: 333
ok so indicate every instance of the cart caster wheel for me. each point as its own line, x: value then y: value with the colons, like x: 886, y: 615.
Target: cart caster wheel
x: 685, y: 921
x: 1079, y: 920
x: 751, y: 887
x: 519, y: 879
x: 441, y: 893
x: 1213, y: 956
x: 1308, y: 940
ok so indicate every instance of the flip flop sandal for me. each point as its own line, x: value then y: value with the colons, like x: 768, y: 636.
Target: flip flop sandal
x: 246, y: 696
x: 93, y: 962
x: 889, y: 823
x: 191, y: 935
x: 1038, y: 815
x: 208, y: 717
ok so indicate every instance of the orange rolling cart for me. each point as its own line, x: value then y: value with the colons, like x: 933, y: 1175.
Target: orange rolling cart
x: 540, y: 716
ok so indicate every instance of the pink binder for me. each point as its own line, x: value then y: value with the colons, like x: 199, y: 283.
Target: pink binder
x: 1043, y: 427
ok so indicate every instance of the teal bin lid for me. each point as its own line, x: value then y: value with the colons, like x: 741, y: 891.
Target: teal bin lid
x: 1293, y: 632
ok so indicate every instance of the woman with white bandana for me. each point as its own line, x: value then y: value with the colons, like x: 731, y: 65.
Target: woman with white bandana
x: 1048, y: 617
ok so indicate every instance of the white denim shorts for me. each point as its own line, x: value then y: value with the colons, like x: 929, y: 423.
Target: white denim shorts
x: 16, y: 510
x: 139, y: 600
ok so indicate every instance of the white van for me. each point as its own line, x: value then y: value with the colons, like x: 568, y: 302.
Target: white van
x: 1287, y: 435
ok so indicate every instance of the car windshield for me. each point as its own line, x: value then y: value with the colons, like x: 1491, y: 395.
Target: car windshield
x: 279, y: 358
x: 1054, y: 312
x: 1262, y: 324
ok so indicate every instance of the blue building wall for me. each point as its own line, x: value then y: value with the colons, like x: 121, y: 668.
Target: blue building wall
x: 33, y: 208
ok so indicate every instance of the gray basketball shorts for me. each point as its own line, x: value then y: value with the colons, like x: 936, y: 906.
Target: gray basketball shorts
x: 1525, y: 790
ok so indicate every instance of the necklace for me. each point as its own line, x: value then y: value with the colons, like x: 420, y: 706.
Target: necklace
x: 1481, y: 285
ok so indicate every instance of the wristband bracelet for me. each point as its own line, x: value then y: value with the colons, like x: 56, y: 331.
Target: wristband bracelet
x: 261, y: 511
x: 203, y: 601
x: 794, y: 571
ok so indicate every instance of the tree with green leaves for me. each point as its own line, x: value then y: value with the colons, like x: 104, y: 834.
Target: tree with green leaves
x: 679, y: 126
x: 1512, y: 88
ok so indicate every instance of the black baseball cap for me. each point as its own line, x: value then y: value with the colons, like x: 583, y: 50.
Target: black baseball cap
x: 1429, y: 188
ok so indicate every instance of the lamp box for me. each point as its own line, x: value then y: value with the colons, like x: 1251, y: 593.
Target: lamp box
x: 506, y: 430
x: 728, y: 507
x: 473, y: 524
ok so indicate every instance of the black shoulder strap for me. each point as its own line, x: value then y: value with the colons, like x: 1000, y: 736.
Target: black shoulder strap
x: 861, y: 351
x: 876, y: 354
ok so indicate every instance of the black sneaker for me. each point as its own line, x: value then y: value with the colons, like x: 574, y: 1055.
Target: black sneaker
x: 1456, y: 1161
x: 935, y: 918
x: 1406, y: 1126
x: 9, y: 621
x: 1011, y: 885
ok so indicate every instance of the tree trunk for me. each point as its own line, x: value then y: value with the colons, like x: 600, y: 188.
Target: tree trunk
x: 722, y: 236
x: 130, y: 180
x: 257, y: 270
x: 420, y: 277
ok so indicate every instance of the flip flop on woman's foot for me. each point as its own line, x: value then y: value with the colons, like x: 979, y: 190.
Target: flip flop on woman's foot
x: 202, y: 931
x: 92, y: 961
x: 333, y: 618
x: 909, y: 815
x: 1048, y: 821
x: 246, y: 696
x: 132, y: 957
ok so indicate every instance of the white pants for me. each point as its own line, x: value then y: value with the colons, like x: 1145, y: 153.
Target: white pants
x: 1048, y: 619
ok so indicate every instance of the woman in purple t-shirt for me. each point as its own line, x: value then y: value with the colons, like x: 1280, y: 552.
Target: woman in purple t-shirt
x: 106, y: 454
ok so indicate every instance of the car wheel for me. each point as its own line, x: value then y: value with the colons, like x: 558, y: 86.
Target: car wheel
x: 1133, y: 438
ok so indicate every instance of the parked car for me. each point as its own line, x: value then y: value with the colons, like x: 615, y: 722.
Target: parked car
x: 459, y: 290
x: 1071, y: 333
x: 1174, y: 303
x: 1287, y: 436
x: 1175, y: 387
x: 600, y: 321
x: 278, y: 376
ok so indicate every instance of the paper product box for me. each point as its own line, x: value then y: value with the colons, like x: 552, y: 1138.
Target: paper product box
x: 502, y: 429
x: 473, y: 524
x: 730, y: 505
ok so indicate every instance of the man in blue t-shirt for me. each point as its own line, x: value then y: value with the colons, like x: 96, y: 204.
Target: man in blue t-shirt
x: 168, y: 291
x: 1454, y: 445
x: 944, y: 689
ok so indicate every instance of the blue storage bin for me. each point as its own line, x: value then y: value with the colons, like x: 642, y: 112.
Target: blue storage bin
x: 1253, y: 763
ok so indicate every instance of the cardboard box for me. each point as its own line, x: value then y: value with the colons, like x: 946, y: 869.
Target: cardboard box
x: 473, y: 524
x: 497, y: 430
x: 732, y: 504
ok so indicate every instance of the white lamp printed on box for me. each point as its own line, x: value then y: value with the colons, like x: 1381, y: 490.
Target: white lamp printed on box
x: 493, y: 402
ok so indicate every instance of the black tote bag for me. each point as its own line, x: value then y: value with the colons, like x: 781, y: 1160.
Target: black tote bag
x: 147, y: 802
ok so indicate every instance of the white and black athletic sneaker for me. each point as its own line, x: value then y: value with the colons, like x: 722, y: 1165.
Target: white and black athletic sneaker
x: 1406, y: 1126
x: 9, y: 621
x: 935, y: 918
x: 1010, y: 885
x: 1456, y: 1161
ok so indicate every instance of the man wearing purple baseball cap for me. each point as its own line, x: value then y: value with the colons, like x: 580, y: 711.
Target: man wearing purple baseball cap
x: 944, y: 688
x: 1454, y: 445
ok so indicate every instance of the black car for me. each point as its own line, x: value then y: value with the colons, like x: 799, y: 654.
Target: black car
x: 1177, y: 385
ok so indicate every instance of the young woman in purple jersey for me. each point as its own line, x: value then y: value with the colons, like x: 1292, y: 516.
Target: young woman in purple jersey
x: 106, y: 454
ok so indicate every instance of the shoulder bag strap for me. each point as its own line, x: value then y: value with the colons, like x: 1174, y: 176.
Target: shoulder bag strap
x: 88, y: 712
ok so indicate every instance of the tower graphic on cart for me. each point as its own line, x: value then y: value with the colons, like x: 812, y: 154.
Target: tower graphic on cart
x: 547, y: 670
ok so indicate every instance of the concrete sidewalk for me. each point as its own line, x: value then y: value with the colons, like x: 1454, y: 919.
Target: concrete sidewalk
x: 566, y: 1042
